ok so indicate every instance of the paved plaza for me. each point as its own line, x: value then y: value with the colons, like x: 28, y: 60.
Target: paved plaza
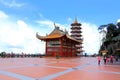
x: 80, y: 68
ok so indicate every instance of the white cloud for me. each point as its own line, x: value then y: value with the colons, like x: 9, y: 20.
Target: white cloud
x: 3, y: 15
x: 50, y: 24
x: 91, y: 38
x: 69, y: 19
x: 18, y: 36
x: 46, y: 23
x: 118, y: 20
x: 11, y: 3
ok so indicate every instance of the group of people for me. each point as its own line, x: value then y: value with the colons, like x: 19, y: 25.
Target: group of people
x: 106, y: 59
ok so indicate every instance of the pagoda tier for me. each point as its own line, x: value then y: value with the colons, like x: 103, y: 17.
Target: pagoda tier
x: 77, y: 37
x: 76, y: 23
x: 76, y: 27
x: 76, y: 33
x: 79, y: 45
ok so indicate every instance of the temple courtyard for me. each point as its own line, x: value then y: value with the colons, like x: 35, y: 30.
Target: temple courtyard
x: 47, y: 68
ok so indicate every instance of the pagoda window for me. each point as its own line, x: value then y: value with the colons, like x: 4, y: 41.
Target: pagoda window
x: 55, y: 49
x: 64, y: 50
x: 53, y: 43
x: 73, y: 51
x: 64, y: 44
x: 69, y: 50
x: 73, y: 46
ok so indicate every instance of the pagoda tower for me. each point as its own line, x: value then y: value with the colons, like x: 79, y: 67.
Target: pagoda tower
x: 76, y: 33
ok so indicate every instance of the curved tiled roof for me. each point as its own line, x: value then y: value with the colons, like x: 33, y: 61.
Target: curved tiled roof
x: 56, y: 33
x: 48, y: 36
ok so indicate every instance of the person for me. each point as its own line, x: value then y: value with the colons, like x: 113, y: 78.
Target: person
x: 111, y: 59
x: 85, y: 54
x: 116, y: 58
x: 105, y: 59
x: 99, y: 60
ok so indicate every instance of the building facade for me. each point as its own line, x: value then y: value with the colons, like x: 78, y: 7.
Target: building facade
x: 59, y: 42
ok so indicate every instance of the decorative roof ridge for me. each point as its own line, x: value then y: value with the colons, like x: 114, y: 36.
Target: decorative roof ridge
x: 56, y: 26
x: 38, y: 36
x: 68, y: 36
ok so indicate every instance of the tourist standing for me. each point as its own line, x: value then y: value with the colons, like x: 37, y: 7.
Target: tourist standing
x: 111, y: 59
x: 116, y: 58
x: 99, y: 58
x: 105, y: 59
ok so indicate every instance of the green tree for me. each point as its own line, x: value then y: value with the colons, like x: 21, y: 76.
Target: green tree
x: 3, y: 54
x: 118, y: 24
x: 108, y: 42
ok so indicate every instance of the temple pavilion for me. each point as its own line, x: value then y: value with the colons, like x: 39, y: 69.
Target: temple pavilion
x: 59, y: 42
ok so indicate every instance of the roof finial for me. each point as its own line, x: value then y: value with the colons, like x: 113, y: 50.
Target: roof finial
x: 66, y: 32
x: 76, y: 21
x: 55, y: 25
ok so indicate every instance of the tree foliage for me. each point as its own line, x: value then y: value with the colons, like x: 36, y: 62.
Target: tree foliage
x: 2, y: 54
x: 112, y: 31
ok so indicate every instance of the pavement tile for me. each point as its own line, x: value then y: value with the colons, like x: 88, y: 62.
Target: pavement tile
x: 35, y: 71
x: 5, y: 77
x: 104, y: 68
x: 80, y: 68
x: 67, y: 65
x: 88, y: 75
x: 8, y: 64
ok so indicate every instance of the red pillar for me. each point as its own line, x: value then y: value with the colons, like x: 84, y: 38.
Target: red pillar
x: 71, y: 50
x: 46, y: 49
x: 67, y: 48
x: 61, y: 48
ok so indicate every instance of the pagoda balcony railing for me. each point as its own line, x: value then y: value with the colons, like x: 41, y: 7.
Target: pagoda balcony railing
x: 78, y: 45
x: 75, y: 34
x: 50, y: 49
x: 53, y: 46
x: 76, y: 27
x: 60, y: 46
x: 78, y: 38
x: 56, y: 49
x: 76, y: 30
x: 79, y: 50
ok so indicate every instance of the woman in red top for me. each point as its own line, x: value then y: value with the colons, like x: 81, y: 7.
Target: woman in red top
x: 99, y: 60
x: 111, y: 59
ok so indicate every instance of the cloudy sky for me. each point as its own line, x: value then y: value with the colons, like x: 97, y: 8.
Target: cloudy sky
x: 21, y: 19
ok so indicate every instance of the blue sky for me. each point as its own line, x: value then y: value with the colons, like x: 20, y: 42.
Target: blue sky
x: 21, y: 19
